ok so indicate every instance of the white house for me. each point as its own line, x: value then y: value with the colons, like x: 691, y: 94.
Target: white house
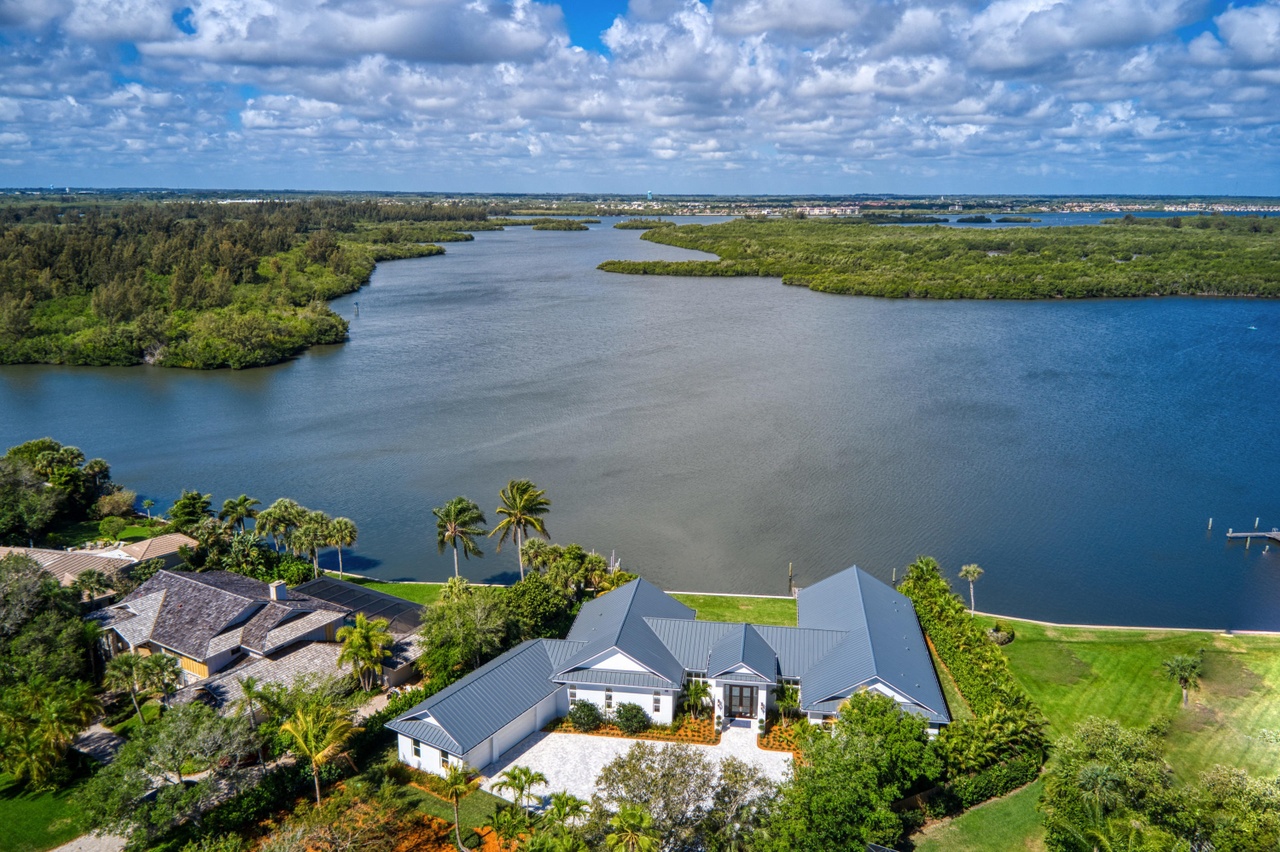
x: 638, y: 645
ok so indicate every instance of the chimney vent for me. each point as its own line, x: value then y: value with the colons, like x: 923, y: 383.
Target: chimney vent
x: 279, y: 591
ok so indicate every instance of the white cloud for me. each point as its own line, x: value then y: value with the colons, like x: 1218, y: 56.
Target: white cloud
x: 492, y: 94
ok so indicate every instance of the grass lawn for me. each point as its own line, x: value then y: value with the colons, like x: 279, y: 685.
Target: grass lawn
x: 34, y: 822
x: 419, y: 593
x: 474, y: 811
x: 1234, y: 720
x: 1010, y: 824
x: 780, y: 611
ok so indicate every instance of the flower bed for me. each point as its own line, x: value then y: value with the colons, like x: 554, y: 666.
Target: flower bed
x: 684, y: 730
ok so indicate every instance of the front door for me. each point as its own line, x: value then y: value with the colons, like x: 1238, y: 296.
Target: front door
x: 742, y: 701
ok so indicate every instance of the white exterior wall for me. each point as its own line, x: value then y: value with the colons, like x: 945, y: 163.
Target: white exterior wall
x: 430, y: 760
x: 626, y: 695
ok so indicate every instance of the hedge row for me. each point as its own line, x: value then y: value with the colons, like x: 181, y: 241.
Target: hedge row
x: 995, y: 780
x: 976, y: 663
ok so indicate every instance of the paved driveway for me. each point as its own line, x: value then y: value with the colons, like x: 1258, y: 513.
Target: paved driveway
x: 572, y: 762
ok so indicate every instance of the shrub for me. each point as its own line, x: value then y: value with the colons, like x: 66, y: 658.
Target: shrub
x: 631, y: 719
x: 585, y: 716
x: 111, y: 527
x: 995, y: 780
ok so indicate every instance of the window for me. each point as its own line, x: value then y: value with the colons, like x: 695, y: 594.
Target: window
x: 573, y: 693
x: 657, y: 701
x: 608, y: 698
x: 417, y: 749
x: 444, y: 759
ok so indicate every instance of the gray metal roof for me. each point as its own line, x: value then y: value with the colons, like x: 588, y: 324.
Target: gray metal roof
x: 798, y: 648
x: 690, y: 641
x: 478, y: 706
x: 884, y: 641
x: 743, y: 646
x: 616, y: 621
x: 644, y: 680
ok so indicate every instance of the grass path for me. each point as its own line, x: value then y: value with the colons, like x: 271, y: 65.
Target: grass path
x: 1010, y: 824
x: 1234, y: 719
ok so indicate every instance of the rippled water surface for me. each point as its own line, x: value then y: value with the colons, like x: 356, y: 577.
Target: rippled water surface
x: 712, y: 431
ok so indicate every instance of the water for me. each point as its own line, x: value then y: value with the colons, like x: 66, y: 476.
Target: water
x: 712, y: 431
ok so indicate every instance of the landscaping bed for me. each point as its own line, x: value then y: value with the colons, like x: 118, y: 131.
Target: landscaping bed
x: 779, y: 738
x: 683, y: 730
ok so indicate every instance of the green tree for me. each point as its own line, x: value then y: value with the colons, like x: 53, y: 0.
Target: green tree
x: 342, y: 533
x: 459, y: 522
x: 250, y: 702
x: 459, y: 636
x: 697, y: 698
x: 457, y: 786
x: 91, y: 583
x: 632, y: 830
x: 522, y: 507
x: 520, y: 780
x: 239, y: 510
x: 189, y: 510
x: 455, y: 589
x: 319, y: 732
x: 364, y: 647
x: 311, y: 536
x: 1186, y: 670
x: 128, y: 672
x: 147, y: 505
x: 564, y: 812
x: 971, y: 573
x: 163, y: 674
x: 280, y: 519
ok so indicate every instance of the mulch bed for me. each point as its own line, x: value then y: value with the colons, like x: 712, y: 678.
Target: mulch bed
x: 692, y: 731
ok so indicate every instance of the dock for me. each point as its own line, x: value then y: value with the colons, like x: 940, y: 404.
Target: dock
x: 1273, y: 535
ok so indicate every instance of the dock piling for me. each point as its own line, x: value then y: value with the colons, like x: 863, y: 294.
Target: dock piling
x: 1211, y: 523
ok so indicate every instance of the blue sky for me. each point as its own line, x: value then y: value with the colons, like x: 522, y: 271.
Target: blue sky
x: 673, y: 96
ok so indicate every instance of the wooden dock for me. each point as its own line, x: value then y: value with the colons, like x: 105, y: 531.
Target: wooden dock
x: 1273, y: 535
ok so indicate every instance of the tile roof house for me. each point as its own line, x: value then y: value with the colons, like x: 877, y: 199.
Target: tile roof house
x: 67, y: 565
x: 211, y: 620
x: 638, y: 645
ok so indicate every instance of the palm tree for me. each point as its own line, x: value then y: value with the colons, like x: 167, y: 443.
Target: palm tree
x: 523, y: 506
x: 1186, y: 670
x: 312, y: 536
x: 91, y: 634
x: 455, y: 589
x: 162, y: 674
x: 971, y: 573
x: 632, y: 830
x: 91, y: 584
x: 696, y: 693
x: 251, y: 693
x: 319, y: 731
x: 459, y: 520
x: 364, y: 646
x: 564, y: 810
x: 788, y: 697
x: 128, y: 672
x: 457, y: 785
x: 520, y: 780
x: 239, y: 510
x: 147, y: 504
x: 280, y: 519
x: 342, y: 533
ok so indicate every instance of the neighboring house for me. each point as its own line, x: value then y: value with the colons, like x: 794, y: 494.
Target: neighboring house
x: 213, y: 619
x: 403, y: 620
x: 67, y: 565
x: 164, y: 547
x: 638, y: 645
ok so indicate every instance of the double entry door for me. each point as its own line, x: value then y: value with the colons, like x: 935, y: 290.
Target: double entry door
x: 742, y: 701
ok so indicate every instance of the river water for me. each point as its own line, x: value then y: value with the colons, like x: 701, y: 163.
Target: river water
x: 713, y: 431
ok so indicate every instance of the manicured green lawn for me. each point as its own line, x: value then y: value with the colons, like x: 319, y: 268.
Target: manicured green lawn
x: 420, y: 593
x: 33, y: 822
x: 1010, y: 824
x: 1234, y: 719
x: 780, y: 611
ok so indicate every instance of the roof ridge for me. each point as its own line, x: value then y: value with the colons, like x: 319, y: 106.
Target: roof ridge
x: 190, y: 577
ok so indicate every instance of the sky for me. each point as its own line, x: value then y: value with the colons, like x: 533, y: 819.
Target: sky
x: 826, y: 97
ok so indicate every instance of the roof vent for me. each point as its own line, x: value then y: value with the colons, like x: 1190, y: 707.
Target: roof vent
x: 279, y: 591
